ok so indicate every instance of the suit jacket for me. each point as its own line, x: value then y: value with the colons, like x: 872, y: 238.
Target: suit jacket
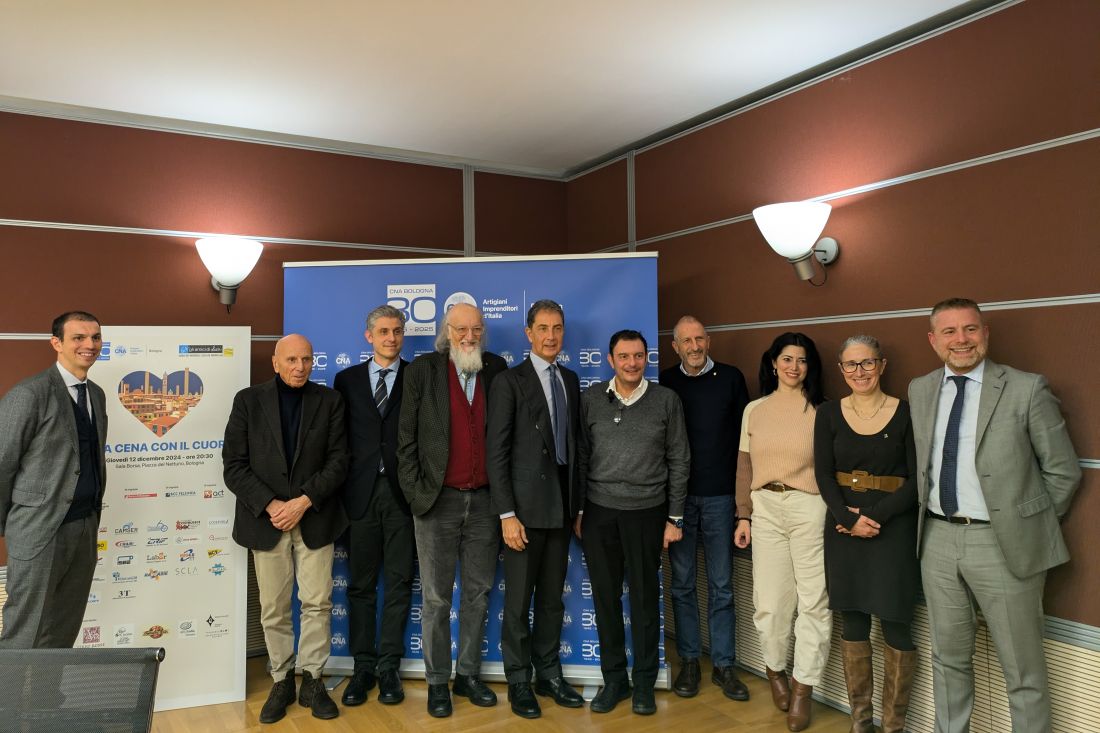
x: 424, y: 434
x: 372, y: 436
x: 522, y: 461
x: 255, y: 464
x: 40, y: 459
x: 1026, y: 465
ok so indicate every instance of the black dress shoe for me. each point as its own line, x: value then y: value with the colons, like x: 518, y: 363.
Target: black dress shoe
x: 733, y: 688
x: 390, y: 691
x: 687, y: 682
x: 314, y: 696
x: 562, y: 692
x: 470, y: 686
x: 609, y: 696
x: 643, y: 702
x: 359, y: 685
x: 281, y: 695
x: 439, y: 701
x: 523, y: 700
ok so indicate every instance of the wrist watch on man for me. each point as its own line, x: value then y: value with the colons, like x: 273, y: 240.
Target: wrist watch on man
x: 677, y: 522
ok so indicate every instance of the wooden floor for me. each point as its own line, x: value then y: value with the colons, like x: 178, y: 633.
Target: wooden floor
x: 709, y: 711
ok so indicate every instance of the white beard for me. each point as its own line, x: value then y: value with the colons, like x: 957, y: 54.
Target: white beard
x: 467, y: 361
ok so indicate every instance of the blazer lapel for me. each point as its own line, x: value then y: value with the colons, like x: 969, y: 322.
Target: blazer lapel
x: 62, y: 400
x: 531, y: 384
x: 269, y: 399
x: 993, y: 382
x: 311, y: 400
x: 926, y: 400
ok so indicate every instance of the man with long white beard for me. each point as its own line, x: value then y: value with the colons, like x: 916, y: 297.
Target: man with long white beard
x: 442, y: 472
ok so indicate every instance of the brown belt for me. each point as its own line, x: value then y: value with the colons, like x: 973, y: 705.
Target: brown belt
x: 778, y: 486
x: 862, y: 481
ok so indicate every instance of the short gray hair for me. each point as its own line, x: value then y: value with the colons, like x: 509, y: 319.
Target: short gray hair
x: 686, y: 320
x: 869, y: 341
x: 384, y: 311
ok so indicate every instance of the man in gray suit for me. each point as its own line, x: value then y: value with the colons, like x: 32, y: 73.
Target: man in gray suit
x: 442, y: 471
x: 52, y: 476
x: 996, y: 474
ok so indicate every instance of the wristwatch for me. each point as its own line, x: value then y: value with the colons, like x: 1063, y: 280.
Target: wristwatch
x: 677, y: 523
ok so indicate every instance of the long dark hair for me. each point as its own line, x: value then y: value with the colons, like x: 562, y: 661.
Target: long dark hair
x: 811, y: 387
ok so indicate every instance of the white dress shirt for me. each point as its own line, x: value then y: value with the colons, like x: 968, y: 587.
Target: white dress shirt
x: 969, y: 489
x: 71, y: 381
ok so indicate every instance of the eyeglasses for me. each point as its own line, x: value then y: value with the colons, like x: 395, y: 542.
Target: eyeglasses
x: 464, y: 330
x: 867, y: 365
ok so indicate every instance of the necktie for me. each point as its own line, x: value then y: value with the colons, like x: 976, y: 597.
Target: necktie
x: 380, y: 392
x: 949, y: 498
x: 82, y: 399
x: 561, y: 417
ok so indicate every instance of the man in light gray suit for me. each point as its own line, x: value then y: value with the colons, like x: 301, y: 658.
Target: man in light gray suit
x: 996, y: 474
x: 52, y: 475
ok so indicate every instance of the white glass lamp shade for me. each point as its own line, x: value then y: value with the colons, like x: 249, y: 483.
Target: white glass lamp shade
x: 229, y: 259
x: 792, y: 229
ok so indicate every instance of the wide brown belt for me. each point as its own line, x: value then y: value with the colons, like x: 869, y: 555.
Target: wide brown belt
x: 863, y: 481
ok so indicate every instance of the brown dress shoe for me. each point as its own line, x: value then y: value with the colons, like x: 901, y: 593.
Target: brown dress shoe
x: 781, y: 690
x: 798, y: 715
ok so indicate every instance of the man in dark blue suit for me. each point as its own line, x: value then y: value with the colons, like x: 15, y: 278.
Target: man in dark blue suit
x: 380, y: 539
x: 531, y: 455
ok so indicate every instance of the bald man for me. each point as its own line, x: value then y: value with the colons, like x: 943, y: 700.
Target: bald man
x: 285, y: 459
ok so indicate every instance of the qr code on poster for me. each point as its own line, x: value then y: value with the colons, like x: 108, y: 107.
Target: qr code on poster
x: 91, y: 635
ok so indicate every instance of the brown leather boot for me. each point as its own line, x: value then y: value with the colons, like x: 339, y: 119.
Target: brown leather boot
x: 897, y: 683
x: 798, y: 716
x: 860, y: 680
x: 781, y: 688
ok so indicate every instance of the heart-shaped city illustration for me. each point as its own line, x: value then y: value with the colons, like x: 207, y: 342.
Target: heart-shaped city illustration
x: 159, y: 403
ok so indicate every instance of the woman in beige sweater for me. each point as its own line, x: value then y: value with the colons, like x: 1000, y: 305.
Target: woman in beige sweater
x: 781, y: 512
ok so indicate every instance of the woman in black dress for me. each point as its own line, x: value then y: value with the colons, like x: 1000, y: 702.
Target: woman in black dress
x: 865, y: 465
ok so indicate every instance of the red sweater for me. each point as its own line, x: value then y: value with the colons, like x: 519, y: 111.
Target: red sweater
x: 466, y: 454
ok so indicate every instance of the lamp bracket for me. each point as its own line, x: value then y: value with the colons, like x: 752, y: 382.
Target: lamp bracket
x: 826, y: 250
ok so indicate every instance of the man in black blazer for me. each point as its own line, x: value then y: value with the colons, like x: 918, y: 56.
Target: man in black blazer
x: 285, y: 458
x: 441, y: 465
x: 531, y: 446
x: 381, y: 533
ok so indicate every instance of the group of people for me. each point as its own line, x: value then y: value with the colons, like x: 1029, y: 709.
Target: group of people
x: 849, y: 505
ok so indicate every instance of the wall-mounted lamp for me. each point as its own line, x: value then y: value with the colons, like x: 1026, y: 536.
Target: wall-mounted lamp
x: 229, y: 260
x: 792, y: 230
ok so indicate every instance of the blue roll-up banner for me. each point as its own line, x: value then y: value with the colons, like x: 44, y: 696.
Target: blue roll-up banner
x: 328, y: 303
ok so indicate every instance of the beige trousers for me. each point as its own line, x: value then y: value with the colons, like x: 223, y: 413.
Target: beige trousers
x: 788, y: 574
x: 276, y: 571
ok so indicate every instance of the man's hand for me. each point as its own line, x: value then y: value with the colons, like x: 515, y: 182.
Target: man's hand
x: 742, y: 536
x: 577, y: 525
x: 672, y: 534
x: 287, y: 514
x: 515, y: 534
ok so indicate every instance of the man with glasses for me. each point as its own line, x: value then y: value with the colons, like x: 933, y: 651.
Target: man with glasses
x: 996, y: 473
x: 714, y: 396
x: 441, y: 465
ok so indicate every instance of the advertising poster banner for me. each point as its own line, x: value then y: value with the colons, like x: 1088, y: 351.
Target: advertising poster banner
x: 600, y: 294
x: 168, y: 573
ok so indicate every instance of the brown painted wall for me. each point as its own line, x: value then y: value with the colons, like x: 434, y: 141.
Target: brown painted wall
x: 519, y: 216
x: 596, y: 209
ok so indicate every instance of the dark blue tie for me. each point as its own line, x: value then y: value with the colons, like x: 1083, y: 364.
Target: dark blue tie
x: 82, y: 399
x: 949, y: 468
x: 561, y: 416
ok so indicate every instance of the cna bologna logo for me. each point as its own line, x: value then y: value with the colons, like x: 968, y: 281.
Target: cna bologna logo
x: 416, y: 613
x: 566, y: 590
x: 417, y: 304
x: 566, y: 649
x: 586, y: 588
x: 339, y: 610
x: 416, y: 644
x: 566, y: 620
x: 338, y: 582
x: 339, y: 640
x: 343, y: 359
x: 508, y: 357
x: 588, y: 619
x: 340, y: 554
x: 564, y: 358
x: 590, y: 651
x: 320, y: 361
x: 590, y: 357
x: 459, y: 297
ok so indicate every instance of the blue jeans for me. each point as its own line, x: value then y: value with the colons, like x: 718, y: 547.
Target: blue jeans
x: 709, y: 519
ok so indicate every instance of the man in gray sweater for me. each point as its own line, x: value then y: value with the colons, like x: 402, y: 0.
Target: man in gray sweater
x: 633, y: 461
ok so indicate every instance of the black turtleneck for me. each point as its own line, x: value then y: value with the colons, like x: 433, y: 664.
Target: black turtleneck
x: 290, y: 417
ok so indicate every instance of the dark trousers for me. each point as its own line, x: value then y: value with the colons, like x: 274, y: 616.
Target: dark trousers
x: 380, y: 543
x: 540, y: 569
x: 47, y: 594
x: 612, y: 539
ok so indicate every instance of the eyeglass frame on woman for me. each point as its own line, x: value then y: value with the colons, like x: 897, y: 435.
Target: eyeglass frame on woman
x: 850, y: 367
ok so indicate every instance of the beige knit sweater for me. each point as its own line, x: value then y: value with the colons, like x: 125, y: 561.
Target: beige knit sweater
x: 777, y: 433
